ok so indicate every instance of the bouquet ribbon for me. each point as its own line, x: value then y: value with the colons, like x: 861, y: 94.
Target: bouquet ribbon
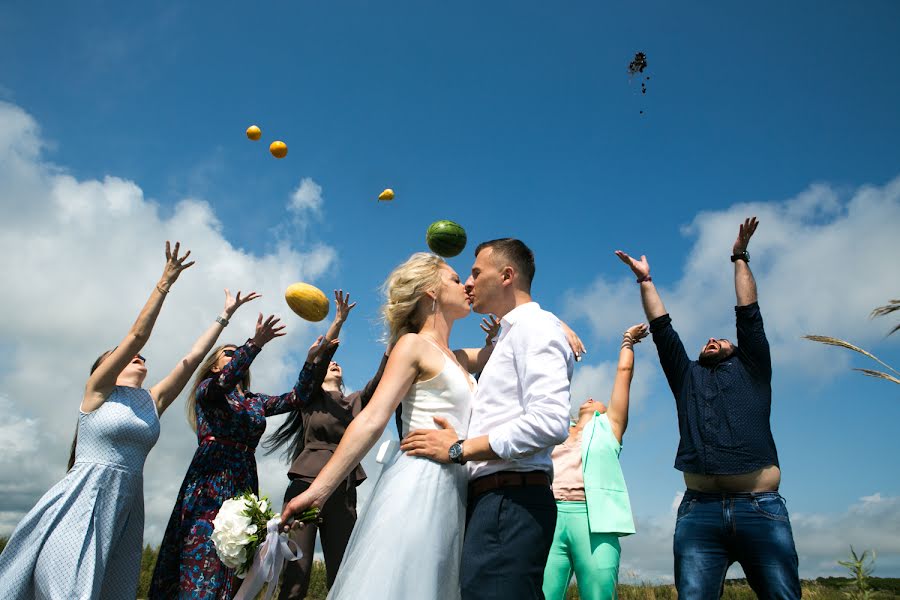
x: 268, y: 562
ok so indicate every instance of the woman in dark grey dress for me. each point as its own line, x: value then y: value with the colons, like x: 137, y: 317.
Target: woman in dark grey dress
x: 310, y: 436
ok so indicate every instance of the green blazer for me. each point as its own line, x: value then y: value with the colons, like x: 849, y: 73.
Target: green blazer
x: 608, y: 506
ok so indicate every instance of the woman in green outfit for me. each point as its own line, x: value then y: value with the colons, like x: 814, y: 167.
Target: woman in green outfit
x: 591, y: 498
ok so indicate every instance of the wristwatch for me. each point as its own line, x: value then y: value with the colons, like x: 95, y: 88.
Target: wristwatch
x: 456, y: 452
x: 744, y: 256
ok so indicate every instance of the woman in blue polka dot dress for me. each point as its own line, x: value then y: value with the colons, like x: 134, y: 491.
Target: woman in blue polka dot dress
x: 83, y: 539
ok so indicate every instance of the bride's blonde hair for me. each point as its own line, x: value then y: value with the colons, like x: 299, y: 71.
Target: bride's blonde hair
x: 404, y: 287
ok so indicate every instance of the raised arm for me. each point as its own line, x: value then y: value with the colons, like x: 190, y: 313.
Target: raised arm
x: 672, y: 356
x: 621, y: 392
x: 342, y: 308
x: 165, y: 392
x: 102, y: 381
x: 653, y: 304
x: 401, y: 371
x: 744, y: 284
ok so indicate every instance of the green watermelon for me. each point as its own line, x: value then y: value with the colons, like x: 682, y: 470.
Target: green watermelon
x: 445, y: 238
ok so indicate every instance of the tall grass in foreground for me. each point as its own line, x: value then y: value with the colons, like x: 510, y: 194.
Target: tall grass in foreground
x: 860, y: 586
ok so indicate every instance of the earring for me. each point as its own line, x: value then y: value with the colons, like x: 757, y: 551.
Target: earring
x: 434, y: 305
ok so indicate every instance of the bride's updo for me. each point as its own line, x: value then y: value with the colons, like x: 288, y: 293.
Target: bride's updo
x: 404, y: 287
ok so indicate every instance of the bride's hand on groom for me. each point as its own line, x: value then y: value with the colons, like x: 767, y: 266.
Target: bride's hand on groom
x: 431, y: 443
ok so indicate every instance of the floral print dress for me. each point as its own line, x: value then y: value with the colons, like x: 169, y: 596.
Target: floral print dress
x: 230, y: 424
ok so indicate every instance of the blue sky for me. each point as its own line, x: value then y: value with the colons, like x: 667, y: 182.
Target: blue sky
x: 513, y: 119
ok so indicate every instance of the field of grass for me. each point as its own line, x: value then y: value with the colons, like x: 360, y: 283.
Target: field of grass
x: 823, y: 588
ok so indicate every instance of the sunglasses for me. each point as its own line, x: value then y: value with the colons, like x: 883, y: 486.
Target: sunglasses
x: 141, y: 358
x: 229, y: 352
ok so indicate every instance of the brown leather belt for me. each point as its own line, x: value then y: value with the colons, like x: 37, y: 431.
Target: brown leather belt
x: 506, y: 479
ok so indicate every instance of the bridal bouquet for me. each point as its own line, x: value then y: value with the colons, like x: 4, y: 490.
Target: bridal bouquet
x: 246, y: 537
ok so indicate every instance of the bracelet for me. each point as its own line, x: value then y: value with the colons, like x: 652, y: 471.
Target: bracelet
x: 160, y: 290
x: 644, y: 278
x: 222, y: 321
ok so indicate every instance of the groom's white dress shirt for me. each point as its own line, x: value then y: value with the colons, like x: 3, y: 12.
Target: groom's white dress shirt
x: 522, y: 403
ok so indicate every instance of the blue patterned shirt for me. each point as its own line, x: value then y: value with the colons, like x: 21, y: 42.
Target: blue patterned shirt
x: 723, y: 410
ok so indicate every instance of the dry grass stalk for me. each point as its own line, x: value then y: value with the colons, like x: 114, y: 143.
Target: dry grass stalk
x: 879, y: 375
x: 832, y: 341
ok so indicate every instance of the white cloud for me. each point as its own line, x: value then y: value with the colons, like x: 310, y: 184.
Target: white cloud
x: 307, y: 197
x: 81, y: 257
x: 819, y: 261
x: 596, y: 380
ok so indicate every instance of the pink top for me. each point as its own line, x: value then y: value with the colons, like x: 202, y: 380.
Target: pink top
x: 568, y: 480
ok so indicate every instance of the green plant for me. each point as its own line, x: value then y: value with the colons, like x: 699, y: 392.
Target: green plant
x: 891, y: 306
x: 861, y: 568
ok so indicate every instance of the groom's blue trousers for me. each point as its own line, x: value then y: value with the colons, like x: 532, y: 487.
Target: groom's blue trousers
x: 509, y: 532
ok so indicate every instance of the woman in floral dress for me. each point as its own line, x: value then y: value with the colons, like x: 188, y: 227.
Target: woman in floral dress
x: 229, y: 420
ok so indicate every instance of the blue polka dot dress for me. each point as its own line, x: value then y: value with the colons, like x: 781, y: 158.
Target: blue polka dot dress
x: 83, y: 539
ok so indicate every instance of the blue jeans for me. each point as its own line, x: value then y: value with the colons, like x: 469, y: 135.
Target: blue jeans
x: 715, y: 530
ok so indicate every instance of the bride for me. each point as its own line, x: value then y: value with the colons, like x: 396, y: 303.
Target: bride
x: 408, y: 542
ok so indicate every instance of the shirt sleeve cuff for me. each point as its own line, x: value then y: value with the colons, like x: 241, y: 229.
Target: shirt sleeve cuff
x: 499, y: 444
x: 746, y: 309
x: 660, y: 323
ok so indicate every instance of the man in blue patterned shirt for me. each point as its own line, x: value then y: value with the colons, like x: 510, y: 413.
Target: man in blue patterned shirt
x: 731, y: 510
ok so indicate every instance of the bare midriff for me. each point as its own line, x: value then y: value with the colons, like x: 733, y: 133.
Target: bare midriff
x: 766, y: 479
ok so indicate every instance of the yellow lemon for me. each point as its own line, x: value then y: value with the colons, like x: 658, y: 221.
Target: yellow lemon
x: 254, y: 133
x: 278, y: 149
x: 307, y: 301
x: 387, y: 194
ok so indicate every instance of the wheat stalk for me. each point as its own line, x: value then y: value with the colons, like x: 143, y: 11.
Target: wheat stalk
x: 887, y: 309
x: 879, y: 375
x: 832, y: 341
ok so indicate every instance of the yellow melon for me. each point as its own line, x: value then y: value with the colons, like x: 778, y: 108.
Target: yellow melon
x: 307, y: 301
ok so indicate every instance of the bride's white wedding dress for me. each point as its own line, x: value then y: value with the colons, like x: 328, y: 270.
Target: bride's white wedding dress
x: 408, y: 541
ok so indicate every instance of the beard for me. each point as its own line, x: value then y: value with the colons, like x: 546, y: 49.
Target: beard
x: 711, y: 360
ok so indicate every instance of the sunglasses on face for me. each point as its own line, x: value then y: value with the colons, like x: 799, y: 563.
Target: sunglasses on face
x: 229, y: 352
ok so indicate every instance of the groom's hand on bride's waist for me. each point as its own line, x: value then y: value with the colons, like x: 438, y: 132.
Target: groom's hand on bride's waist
x: 431, y: 443
x: 435, y: 444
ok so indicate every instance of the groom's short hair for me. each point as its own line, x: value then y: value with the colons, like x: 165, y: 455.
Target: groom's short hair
x: 516, y: 252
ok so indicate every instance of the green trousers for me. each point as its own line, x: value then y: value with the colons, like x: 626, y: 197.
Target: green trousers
x: 594, y: 557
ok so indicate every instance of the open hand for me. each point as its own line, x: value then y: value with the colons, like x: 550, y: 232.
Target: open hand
x: 174, y: 264
x: 342, y: 306
x: 748, y: 227
x: 491, y: 326
x: 318, y: 348
x: 232, y: 303
x: 267, y: 330
x: 636, y: 333
x: 641, y: 268
x: 431, y: 443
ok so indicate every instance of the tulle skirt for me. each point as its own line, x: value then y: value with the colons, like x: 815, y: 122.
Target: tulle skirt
x: 407, y: 543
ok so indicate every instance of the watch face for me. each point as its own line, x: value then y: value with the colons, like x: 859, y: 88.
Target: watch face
x: 455, y: 451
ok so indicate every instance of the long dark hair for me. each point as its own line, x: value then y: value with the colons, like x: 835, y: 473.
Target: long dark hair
x: 289, y: 435
x: 75, y: 437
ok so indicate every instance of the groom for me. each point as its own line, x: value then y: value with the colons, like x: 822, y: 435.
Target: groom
x: 520, y: 412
